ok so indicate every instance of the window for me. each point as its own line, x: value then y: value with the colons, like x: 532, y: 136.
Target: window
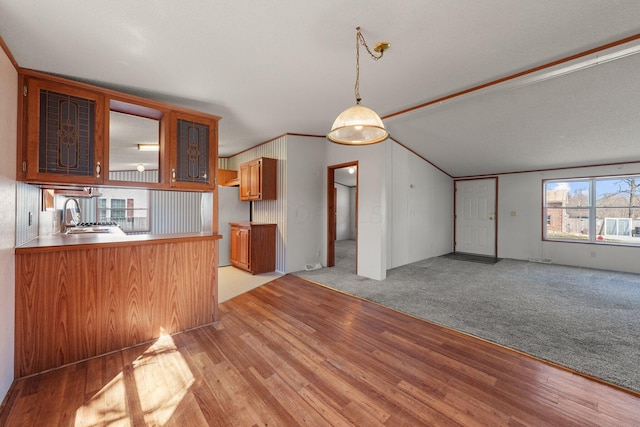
x: 129, y: 208
x: 597, y: 210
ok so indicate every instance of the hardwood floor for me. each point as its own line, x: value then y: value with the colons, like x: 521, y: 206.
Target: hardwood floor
x: 295, y: 353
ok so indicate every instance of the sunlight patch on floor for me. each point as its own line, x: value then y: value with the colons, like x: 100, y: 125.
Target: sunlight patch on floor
x: 157, y: 381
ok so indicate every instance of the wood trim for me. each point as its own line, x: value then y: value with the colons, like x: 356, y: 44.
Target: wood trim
x: 96, y: 241
x: 7, y: 52
x: 483, y: 86
x: 496, y: 216
x: 332, y: 207
x: 357, y: 210
x: 495, y: 208
x: 331, y: 218
x: 256, y: 146
x: 21, y: 136
x: 455, y: 216
x: 516, y: 75
x: 422, y: 157
x: 633, y: 162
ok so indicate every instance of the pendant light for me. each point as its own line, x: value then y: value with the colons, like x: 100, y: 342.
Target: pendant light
x: 360, y: 125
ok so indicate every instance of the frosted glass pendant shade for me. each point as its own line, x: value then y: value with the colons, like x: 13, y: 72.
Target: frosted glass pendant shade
x: 358, y: 125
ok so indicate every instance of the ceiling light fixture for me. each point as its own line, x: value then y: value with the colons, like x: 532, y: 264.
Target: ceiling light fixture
x: 351, y: 170
x: 140, y: 167
x: 360, y: 125
x: 148, y: 147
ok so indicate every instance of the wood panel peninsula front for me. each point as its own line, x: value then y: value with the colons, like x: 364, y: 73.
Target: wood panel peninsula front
x: 82, y: 296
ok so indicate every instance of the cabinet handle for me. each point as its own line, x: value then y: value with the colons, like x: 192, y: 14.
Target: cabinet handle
x: 173, y: 175
x: 98, y: 169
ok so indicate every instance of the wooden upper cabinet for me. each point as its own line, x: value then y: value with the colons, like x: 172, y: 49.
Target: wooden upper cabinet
x: 63, y: 131
x: 194, y: 146
x: 228, y: 177
x: 258, y: 179
x: 65, y: 137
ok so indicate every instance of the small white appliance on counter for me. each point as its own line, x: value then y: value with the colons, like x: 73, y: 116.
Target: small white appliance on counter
x: 230, y: 209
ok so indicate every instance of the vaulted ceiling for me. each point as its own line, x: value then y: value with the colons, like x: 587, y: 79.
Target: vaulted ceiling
x: 288, y: 66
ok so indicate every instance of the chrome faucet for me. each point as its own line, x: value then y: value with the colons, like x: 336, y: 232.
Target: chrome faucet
x: 71, y: 213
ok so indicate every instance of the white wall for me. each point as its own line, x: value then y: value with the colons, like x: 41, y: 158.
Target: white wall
x: 353, y: 194
x: 306, y: 180
x: 421, y: 209
x: 420, y: 217
x: 520, y: 236
x: 8, y: 130
x: 344, y: 212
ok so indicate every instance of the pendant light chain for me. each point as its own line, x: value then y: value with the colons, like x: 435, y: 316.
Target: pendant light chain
x: 359, y: 125
x: 360, y: 40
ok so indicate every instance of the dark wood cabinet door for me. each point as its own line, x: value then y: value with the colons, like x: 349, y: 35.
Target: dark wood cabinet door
x: 244, y: 251
x: 64, y: 133
x: 194, y: 152
x: 240, y: 247
x: 245, y: 182
x: 255, y: 174
x: 253, y: 246
x: 258, y: 179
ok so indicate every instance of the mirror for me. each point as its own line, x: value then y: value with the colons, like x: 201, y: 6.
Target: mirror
x: 126, y: 161
x: 127, y: 207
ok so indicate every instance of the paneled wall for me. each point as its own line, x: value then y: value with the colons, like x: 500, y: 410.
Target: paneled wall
x: 135, y: 176
x: 175, y: 212
x: 271, y: 211
x: 420, y: 211
x: 27, y: 200
x: 170, y: 211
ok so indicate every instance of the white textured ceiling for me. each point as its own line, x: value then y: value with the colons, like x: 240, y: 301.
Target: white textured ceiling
x: 288, y: 66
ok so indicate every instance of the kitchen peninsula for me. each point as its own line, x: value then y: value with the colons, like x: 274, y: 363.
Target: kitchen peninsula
x: 101, y: 294
x: 83, y: 295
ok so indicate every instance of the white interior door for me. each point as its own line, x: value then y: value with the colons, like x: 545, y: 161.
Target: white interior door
x: 476, y: 216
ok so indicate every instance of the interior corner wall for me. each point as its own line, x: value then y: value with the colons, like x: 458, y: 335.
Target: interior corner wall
x: 8, y: 135
x: 420, y: 209
x: 306, y: 175
x: 520, y: 223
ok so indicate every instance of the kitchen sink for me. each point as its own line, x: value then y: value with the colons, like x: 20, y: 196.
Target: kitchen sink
x: 86, y: 230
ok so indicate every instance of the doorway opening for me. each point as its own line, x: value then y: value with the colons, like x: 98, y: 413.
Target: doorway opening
x: 342, y: 215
